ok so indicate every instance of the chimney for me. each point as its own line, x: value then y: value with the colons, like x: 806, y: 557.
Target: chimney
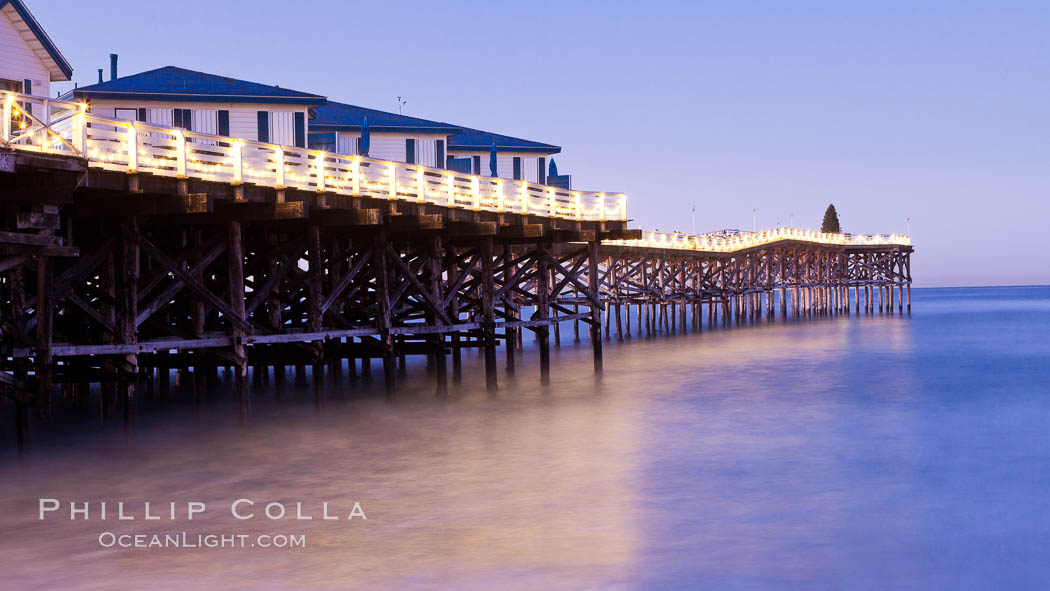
x: 112, y: 66
x: 100, y: 75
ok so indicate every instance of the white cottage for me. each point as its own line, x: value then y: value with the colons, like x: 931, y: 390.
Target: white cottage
x: 206, y: 103
x: 337, y: 128
x: 29, y: 61
x: 516, y: 158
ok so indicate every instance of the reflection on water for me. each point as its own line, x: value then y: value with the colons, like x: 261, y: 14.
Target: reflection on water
x: 863, y: 453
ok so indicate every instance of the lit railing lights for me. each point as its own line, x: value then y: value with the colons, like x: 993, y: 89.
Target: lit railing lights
x: 746, y: 240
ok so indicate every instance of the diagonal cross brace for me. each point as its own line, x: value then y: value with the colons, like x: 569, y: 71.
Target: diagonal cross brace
x: 411, y: 276
x: 164, y: 297
x: 458, y: 283
x: 346, y: 280
x: 194, y: 285
x: 259, y: 296
x: 576, y: 282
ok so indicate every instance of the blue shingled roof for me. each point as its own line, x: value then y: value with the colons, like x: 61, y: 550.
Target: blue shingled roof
x: 179, y: 84
x: 474, y: 140
x: 333, y: 116
x: 41, y: 36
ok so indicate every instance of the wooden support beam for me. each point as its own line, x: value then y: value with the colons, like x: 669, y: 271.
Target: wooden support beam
x: 44, y: 334
x: 314, y: 288
x: 42, y: 217
x: 594, y: 295
x: 253, y: 211
x: 460, y: 229
x: 127, y: 313
x: 383, y: 312
x: 488, y: 312
x: 451, y: 303
x: 26, y: 239
x: 238, y: 330
x: 346, y: 218
x: 564, y: 236
x: 543, y: 309
x: 415, y: 223
x: 122, y: 203
x: 511, y: 310
x: 521, y: 232
x: 12, y: 262
x: 434, y: 274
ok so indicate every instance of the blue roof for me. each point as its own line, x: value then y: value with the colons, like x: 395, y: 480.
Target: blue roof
x: 178, y: 84
x: 38, y: 32
x: 477, y: 140
x: 333, y: 116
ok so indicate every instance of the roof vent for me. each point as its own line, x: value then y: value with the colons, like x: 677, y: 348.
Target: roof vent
x: 100, y: 75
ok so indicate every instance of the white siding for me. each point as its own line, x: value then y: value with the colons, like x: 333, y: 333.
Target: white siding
x: 505, y: 163
x: 387, y: 146
x: 18, y: 61
x: 244, y: 122
x: 391, y: 146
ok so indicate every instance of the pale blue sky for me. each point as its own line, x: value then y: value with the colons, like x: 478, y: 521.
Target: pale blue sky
x: 936, y: 111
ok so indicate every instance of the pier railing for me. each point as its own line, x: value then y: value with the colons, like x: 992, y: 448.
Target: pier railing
x: 53, y: 126
x: 746, y: 240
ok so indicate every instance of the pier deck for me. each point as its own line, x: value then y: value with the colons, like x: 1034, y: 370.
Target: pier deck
x: 130, y: 250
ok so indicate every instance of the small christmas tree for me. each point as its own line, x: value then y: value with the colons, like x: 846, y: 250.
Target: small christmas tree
x: 831, y: 221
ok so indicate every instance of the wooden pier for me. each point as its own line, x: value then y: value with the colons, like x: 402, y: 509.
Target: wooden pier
x: 131, y: 252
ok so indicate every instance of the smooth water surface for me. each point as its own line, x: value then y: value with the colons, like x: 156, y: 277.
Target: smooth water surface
x: 884, y: 452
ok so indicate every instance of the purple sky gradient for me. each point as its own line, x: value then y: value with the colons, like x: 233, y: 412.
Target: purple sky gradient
x: 892, y: 110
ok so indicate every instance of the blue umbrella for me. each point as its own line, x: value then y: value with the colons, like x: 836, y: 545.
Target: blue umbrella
x: 492, y: 161
x: 366, y: 137
x: 552, y: 169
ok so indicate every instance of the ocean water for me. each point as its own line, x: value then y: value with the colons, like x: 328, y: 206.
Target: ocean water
x: 871, y: 452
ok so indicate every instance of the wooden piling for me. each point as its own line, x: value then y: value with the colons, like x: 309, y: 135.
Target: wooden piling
x: 314, y: 304
x: 434, y: 273
x: 594, y: 296
x: 44, y: 335
x: 488, y: 313
x: 542, y: 310
x: 512, y: 311
x: 235, y: 265
x: 383, y: 313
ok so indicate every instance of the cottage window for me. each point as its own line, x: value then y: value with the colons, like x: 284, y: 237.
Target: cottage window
x: 411, y: 157
x: 287, y: 128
